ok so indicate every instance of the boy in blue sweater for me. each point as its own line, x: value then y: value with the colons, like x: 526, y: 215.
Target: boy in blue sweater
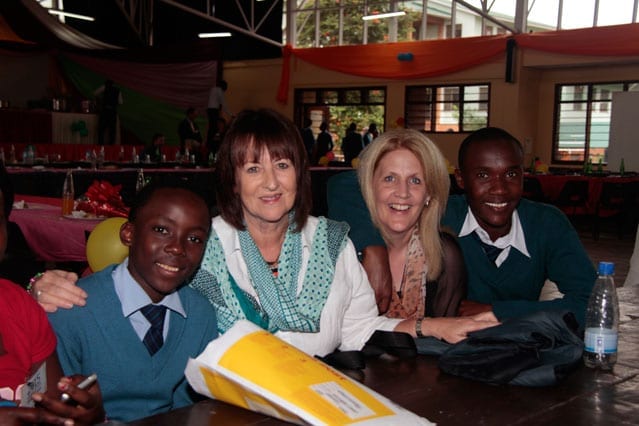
x: 140, y: 323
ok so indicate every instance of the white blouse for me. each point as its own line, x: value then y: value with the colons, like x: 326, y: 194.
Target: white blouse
x: 350, y: 314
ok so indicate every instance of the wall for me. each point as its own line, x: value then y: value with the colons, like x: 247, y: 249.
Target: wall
x: 525, y: 107
x: 23, y: 77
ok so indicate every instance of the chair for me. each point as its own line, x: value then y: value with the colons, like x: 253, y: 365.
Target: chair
x: 618, y: 201
x: 532, y: 189
x: 573, y: 198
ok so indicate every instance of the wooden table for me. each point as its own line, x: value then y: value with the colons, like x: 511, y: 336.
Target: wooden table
x: 586, y: 397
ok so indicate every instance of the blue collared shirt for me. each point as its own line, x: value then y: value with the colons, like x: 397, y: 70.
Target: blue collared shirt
x: 133, y: 298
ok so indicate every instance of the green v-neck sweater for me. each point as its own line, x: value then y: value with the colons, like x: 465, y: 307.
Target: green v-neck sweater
x: 513, y: 289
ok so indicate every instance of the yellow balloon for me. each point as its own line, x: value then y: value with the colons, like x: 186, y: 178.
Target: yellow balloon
x: 104, y: 246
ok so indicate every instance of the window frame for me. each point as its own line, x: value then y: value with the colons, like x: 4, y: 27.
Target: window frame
x: 434, y: 101
x: 590, y: 101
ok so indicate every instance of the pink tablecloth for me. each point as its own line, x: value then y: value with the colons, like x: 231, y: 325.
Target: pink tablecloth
x: 53, y: 238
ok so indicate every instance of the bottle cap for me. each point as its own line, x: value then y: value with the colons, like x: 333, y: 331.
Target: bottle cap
x: 606, y: 268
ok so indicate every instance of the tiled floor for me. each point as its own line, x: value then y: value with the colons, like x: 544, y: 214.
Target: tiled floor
x: 611, y: 249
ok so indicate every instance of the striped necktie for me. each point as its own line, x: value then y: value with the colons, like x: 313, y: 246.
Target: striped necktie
x: 153, y: 339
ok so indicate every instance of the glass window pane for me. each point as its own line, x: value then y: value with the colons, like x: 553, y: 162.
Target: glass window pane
x: 615, y: 13
x: 329, y: 27
x: 571, y: 133
x: 376, y: 96
x: 474, y: 117
x: 633, y: 87
x: 305, y: 29
x: 448, y: 94
x: 419, y: 94
x: 543, y: 15
x: 353, y: 96
x: 604, y: 91
x: 447, y: 120
x: 353, y: 27
x: 419, y: 117
x: 573, y: 93
x: 309, y: 97
x: 599, y: 131
x: 330, y: 96
x: 476, y: 93
x: 577, y: 14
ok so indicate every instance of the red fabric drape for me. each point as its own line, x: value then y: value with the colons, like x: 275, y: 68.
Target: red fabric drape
x: 429, y: 58
x: 181, y: 84
x: 434, y: 57
x: 614, y: 40
x: 282, y: 91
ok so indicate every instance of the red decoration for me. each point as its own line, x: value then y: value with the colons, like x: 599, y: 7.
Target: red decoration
x: 103, y: 199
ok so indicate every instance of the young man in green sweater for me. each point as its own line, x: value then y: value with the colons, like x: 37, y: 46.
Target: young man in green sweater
x: 512, y: 245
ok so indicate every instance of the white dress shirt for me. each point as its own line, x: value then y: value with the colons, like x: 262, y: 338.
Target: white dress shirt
x: 514, y: 238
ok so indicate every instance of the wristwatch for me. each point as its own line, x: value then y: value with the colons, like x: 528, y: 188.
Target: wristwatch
x: 418, y: 327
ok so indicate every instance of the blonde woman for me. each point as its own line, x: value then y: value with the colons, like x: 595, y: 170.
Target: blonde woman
x: 404, y: 182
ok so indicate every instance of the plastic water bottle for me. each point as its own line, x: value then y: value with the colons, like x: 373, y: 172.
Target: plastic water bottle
x: 602, y: 321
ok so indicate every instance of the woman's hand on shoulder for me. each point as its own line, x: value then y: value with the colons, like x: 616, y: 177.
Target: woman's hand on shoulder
x: 87, y: 408
x: 57, y: 289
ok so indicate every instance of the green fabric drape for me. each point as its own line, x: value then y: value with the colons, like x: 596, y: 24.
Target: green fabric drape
x: 139, y: 114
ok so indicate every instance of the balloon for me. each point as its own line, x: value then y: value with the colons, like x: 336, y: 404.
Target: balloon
x: 104, y: 246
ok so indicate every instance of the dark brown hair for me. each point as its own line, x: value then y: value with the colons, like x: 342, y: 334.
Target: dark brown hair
x: 251, y: 132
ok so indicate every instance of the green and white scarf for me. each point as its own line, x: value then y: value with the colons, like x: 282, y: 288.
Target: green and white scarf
x: 280, y: 307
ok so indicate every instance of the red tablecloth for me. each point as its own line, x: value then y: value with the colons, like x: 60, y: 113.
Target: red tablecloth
x: 77, y: 152
x: 552, y: 185
x: 52, y: 238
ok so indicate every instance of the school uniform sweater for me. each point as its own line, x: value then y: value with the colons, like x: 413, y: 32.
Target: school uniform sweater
x: 98, y: 338
x: 513, y: 289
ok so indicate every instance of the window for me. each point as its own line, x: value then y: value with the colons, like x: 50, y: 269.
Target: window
x: 341, y: 107
x: 451, y: 108
x: 582, y: 120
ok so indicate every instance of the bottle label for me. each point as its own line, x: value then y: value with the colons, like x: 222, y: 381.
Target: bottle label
x: 600, y: 340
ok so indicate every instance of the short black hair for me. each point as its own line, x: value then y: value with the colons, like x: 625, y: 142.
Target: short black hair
x: 146, y: 193
x: 223, y: 85
x: 486, y: 134
x: 7, y: 191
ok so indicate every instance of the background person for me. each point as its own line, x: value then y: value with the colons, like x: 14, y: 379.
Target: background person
x: 189, y: 133
x: 109, y: 98
x: 215, y: 105
x: 324, y: 143
x: 154, y: 149
x: 352, y: 144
